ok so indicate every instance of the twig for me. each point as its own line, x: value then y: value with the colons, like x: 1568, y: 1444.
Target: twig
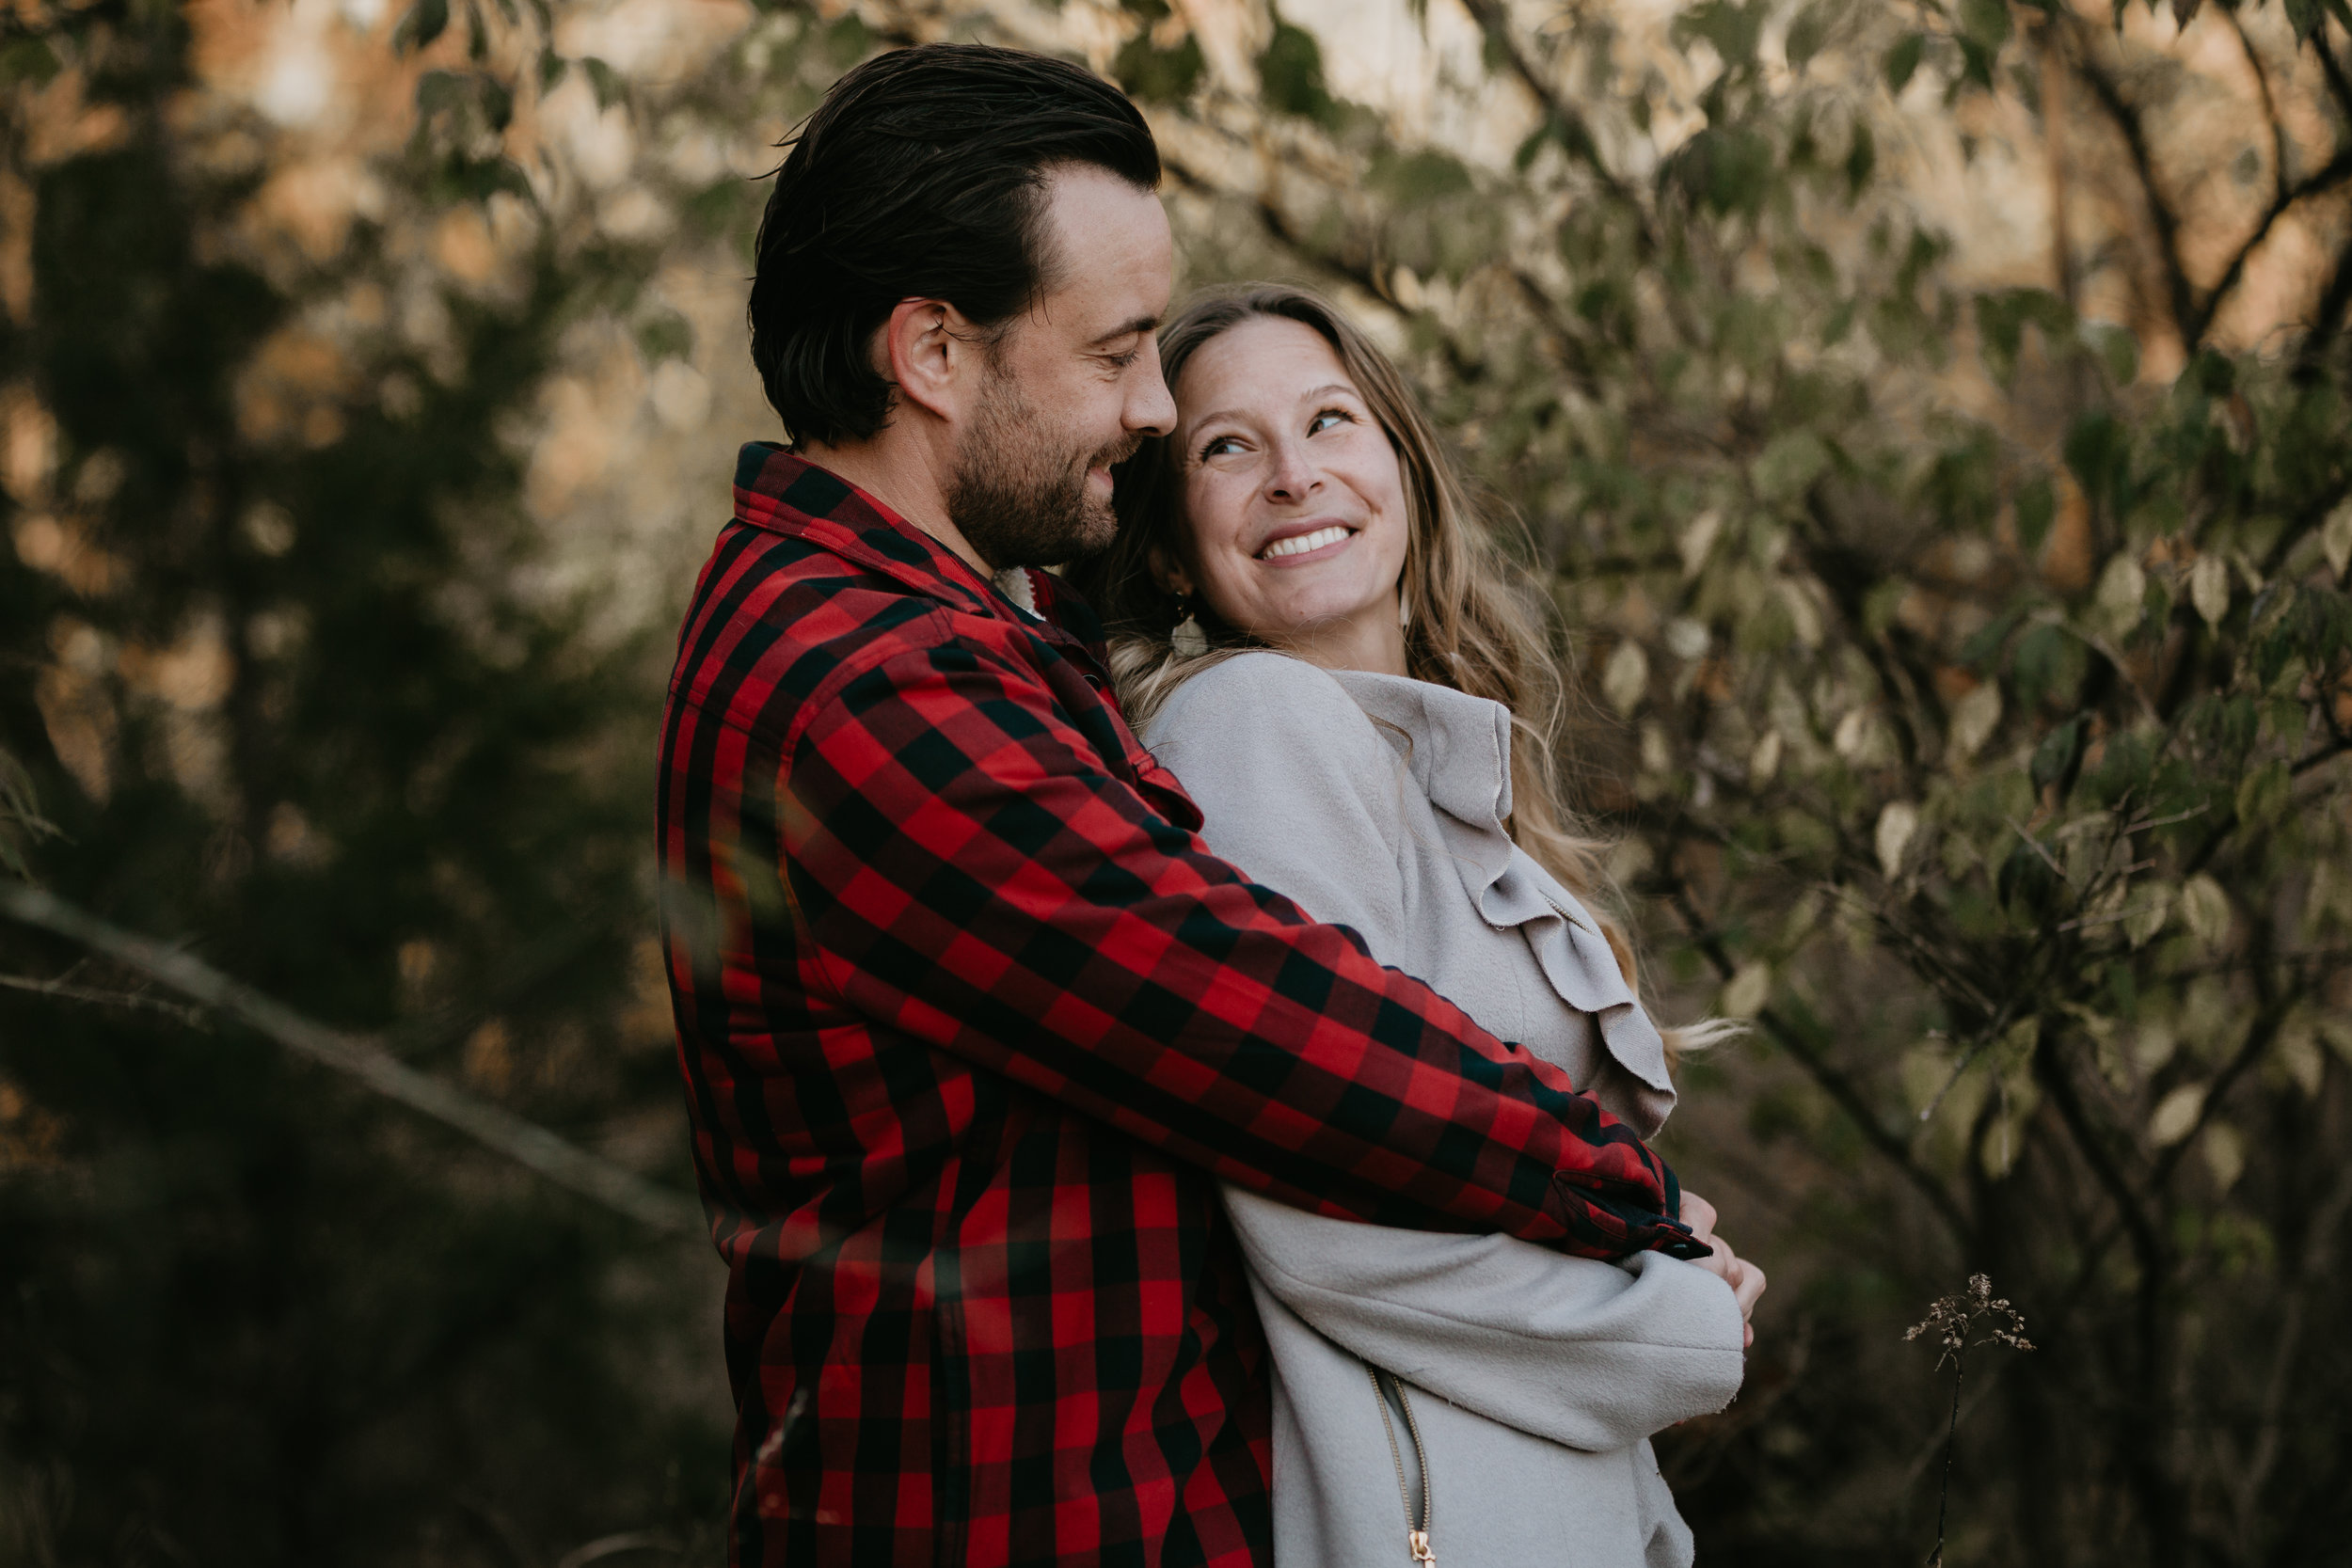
x: 1841, y: 1089
x: 496, y: 1129
x: 2125, y: 114
x: 611, y: 1545
x: 2038, y: 850
x: 1494, y: 20
x: 60, y: 988
x: 2337, y: 171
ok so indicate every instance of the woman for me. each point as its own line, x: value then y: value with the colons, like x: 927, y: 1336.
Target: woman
x: 1313, y: 632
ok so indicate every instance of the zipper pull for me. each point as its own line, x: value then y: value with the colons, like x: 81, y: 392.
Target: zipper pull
x: 1417, y: 1540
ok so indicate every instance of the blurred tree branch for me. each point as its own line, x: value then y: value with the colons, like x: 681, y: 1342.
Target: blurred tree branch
x: 496, y: 1129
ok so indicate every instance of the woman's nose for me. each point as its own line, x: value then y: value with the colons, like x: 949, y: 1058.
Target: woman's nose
x: 1290, y: 476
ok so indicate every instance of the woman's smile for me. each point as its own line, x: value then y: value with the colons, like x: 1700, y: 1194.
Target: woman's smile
x: 1292, y: 546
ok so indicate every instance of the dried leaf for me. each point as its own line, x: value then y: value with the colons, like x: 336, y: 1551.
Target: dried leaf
x: 1698, y: 539
x: 2209, y: 588
x: 1975, y: 717
x: 2175, y: 1118
x: 2204, y: 910
x: 2123, y: 591
x: 1746, y: 992
x: 1899, y: 822
x: 2336, y: 539
x: 1625, y: 680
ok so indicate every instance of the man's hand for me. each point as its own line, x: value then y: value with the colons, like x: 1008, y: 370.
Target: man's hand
x: 1745, y: 1279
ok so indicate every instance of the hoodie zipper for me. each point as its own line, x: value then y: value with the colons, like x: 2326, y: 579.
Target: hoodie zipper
x: 1416, y: 1535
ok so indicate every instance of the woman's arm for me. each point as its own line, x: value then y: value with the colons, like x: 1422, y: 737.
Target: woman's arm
x: 1584, y: 1352
x: 1301, y: 792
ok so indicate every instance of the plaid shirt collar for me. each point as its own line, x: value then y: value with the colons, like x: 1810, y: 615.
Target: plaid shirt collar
x: 779, y: 490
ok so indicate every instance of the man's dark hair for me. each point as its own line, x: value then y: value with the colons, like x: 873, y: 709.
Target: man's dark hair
x: 921, y: 175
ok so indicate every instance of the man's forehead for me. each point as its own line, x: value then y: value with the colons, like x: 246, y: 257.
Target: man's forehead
x: 1113, y: 253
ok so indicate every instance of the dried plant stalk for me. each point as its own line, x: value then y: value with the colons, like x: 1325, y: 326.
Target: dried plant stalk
x: 1953, y: 1319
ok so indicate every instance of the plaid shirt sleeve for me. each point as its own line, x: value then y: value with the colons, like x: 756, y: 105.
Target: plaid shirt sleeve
x: 975, y: 878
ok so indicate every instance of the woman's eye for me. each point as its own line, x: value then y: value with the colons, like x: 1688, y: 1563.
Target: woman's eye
x: 1219, y: 446
x: 1329, y: 417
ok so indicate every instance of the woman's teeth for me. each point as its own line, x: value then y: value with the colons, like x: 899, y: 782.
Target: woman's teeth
x: 1302, y: 543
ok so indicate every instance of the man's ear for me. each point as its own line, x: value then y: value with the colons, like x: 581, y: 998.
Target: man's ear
x: 927, y: 350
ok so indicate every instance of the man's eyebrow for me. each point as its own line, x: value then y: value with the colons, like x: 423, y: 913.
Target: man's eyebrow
x: 1140, y: 325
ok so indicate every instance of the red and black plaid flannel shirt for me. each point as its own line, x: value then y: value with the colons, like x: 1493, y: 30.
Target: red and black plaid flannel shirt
x: 972, y: 1023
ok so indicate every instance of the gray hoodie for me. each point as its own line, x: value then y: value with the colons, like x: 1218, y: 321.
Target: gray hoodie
x: 1535, y: 1380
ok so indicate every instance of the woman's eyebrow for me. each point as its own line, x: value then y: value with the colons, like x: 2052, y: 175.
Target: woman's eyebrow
x: 1307, y: 396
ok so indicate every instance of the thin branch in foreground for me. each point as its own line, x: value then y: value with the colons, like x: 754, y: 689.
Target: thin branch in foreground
x: 496, y: 1129
x: 65, y: 990
x: 1841, y: 1089
x: 2180, y: 293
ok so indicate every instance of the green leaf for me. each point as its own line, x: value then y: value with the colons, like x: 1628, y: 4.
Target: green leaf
x: 610, y: 88
x: 1986, y: 21
x: 2002, y: 317
x: 1724, y: 170
x: 1160, y: 75
x: 1985, y: 646
x: 2118, y: 348
x: 1731, y: 29
x: 1290, y: 75
x: 1903, y: 60
x: 2057, y: 756
x: 1862, y: 160
x: 1807, y: 34
x: 665, y: 335
x: 2098, y: 449
x: 26, y: 59
x: 427, y: 20
x: 2037, y: 506
x: 2263, y: 794
x: 1788, y: 463
x: 2049, y: 665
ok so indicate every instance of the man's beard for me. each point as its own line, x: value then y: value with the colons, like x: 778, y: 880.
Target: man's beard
x: 1020, y: 497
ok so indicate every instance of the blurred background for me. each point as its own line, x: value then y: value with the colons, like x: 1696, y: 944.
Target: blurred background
x: 1929, y: 420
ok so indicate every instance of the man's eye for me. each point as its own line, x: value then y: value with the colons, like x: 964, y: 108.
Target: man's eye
x: 1120, y: 361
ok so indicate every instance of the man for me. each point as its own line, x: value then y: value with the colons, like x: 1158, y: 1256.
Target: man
x: 971, y: 1023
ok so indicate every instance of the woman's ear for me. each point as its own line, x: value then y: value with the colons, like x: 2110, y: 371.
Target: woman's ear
x: 1166, y: 572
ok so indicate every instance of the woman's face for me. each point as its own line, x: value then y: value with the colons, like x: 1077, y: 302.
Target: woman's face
x: 1293, y: 524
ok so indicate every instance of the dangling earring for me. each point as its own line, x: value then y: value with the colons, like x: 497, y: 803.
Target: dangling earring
x: 1188, y: 639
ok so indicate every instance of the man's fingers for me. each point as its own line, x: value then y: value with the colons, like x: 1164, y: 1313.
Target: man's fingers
x: 1697, y: 1213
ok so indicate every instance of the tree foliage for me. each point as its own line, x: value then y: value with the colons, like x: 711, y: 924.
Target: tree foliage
x: 1968, y: 638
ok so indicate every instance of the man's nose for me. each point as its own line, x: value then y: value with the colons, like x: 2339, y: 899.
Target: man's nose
x: 1151, y: 408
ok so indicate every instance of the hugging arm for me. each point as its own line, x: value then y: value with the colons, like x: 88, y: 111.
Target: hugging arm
x: 974, y: 878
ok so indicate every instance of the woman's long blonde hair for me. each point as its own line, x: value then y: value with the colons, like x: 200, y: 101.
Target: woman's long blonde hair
x: 1471, y: 616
